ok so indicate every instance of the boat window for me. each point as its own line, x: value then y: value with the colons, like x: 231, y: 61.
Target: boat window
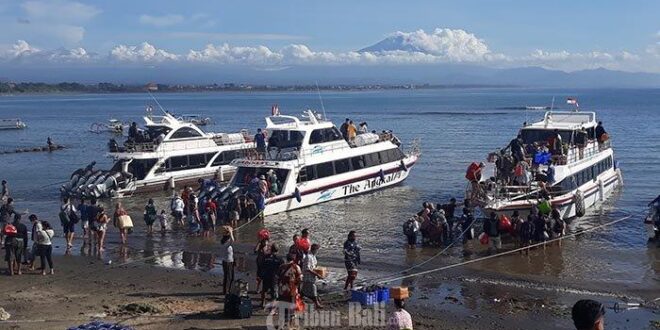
x: 225, y: 157
x: 530, y: 136
x: 285, y: 139
x: 155, y: 131
x: 371, y: 159
x: 197, y: 161
x: 324, y: 170
x: 342, y: 166
x: 358, y: 163
x: 185, y: 132
x: 325, y: 135
x: 307, y: 173
x: 141, y: 167
x: 177, y: 163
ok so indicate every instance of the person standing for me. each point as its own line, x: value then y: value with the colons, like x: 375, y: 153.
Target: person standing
x: 68, y: 218
x: 363, y: 128
x: 6, y: 213
x: 10, y: 233
x: 227, y: 257
x: 177, y: 206
x: 21, y: 242
x: 289, y: 278
x: 351, y: 259
x: 45, y: 234
x: 310, y: 274
x: 123, y: 231
x: 270, y: 266
x: 526, y: 233
x: 450, y: 215
x: 4, y: 193
x: 344, y: 129
x: 558, y: 225
x: 600, y: 133
x: 260, y: 142
x: 410, y: 229
x: 162, y: 219
x: 150, y: 215
x: 33, y: 237
x: 101, y: 228
x: 467, y: 219
x: 352, y: 131
x: 400, y: 318
x: 84, y: 220
x: 492, y: 229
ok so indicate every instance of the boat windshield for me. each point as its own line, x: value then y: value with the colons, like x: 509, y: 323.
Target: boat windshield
x: 284, y: 139
x: 275, y: 177
x: 529, y: 136
x: 155, y: 131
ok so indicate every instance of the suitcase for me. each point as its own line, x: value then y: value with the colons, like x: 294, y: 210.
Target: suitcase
x: 238, y: 307
x: 399, y: 292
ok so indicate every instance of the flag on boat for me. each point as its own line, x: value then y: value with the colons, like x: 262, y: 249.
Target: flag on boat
x: 275, y: 110
x: 571, y: 100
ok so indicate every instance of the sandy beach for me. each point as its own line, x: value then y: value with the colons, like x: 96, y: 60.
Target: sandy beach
x: 145, y: 296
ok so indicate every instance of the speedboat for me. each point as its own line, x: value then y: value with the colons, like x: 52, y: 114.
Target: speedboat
x: 12, y: 124
x: 167, y: 153
x: 308, y: 162
x: 572, y: 179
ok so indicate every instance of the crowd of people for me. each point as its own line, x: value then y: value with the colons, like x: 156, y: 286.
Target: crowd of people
x: 438, y: 225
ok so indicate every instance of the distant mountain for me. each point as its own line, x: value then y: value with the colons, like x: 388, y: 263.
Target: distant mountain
x: 393, y: 43
x: 443, y: 74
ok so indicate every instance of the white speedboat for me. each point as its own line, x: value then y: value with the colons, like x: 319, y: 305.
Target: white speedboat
x: 166, y: 153
x: 309, y: 162
x: 15, y: 123
x: 585, y: 173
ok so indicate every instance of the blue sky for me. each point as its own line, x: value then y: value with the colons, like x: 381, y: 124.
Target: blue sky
x: 565, y: 35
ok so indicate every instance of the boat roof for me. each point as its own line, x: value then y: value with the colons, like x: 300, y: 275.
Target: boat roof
x: 309, y: 121
x: 565, y: 120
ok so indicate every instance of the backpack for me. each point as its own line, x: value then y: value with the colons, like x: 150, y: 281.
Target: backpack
x: 409, y: 228
x: 10, y: 230
x: 64, y: 218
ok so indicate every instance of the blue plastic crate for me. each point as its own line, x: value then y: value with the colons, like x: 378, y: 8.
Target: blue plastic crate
x: 364, y: 298
x: 383, y: 295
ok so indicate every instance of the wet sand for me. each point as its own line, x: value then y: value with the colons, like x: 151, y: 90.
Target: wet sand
x: 86, y: 288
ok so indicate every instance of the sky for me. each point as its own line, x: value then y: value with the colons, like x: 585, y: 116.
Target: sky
x: 559, y: 34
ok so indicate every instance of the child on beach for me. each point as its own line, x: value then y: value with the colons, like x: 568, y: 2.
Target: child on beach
x: 162, y: 219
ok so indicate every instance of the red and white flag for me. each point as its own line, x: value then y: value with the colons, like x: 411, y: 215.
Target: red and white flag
x: 571, y: 100
x: 275, y: 110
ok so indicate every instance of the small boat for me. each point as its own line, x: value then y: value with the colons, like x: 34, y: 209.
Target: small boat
x: 537, y: 107
x: 195, y: 119
x: 12, y: 124
x: 112, y: 126
x: 583, y: 174
x: 652, y: 220
x: 308, y: 162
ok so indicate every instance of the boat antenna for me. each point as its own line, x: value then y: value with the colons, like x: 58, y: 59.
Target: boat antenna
x: 157, y: 103
x: 552, y: 105
x: 318, y: 91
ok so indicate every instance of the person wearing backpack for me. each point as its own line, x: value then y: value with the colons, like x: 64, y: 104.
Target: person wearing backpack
x: 410, y: 229
x: 10, y: 233
x: 69, y: 219
x: 45, y: 235
x: 527, y: 232
x: 6, y: 212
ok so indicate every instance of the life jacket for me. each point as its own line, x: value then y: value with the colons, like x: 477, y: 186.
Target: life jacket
x: 471, y: 172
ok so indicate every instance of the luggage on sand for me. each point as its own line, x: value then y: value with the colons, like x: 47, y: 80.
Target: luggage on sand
x: 238, y: 307
x: 399, y: 292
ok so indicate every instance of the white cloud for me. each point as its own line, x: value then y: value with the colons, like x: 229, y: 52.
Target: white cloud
x: 400, y: 48
x: 144, y: 52
x: 161, y: 21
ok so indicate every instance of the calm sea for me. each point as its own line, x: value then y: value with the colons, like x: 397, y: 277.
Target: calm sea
x: 456, y: 127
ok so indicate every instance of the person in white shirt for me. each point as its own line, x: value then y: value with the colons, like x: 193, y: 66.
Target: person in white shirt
x: 45, y: 246
x: 310, y: 274
x: 400, y: 318
x: 226, y: 254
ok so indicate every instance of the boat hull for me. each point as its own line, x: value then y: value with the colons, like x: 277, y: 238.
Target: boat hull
x: 392, y: 174
x: 593, y: 194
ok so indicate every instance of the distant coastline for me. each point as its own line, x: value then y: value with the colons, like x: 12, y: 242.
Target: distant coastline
x: 20, y: 88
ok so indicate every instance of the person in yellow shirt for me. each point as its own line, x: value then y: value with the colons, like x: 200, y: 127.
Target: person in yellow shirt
x: 352, y: 131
